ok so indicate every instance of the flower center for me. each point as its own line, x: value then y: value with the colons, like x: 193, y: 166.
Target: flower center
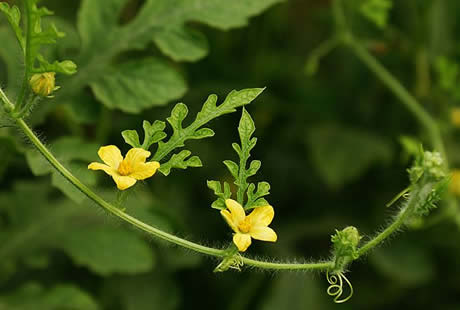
x: 244, y: 226
x: 125, y: 168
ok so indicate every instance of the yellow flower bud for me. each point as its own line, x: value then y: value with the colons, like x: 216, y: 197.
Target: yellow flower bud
x: 43, y: 84
x: 455, y: 117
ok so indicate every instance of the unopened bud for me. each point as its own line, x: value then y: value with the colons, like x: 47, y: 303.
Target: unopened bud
x: 346, y: 241
x: 433, y: 164
x: 43, y: 84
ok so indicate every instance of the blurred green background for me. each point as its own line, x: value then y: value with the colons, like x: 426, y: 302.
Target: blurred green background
x: 329, y: 146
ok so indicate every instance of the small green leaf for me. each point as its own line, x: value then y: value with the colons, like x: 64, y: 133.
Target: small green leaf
x: 13, y: 15
x: 178, y: 114
x: 377, y: 11
x: 227, y: 192
x: 39, y: 37
x: 254, y: 167
x: 203, y: 133
x: 237, y: 148
x: 179, y: 161
x: 215, y: 186
x: 232, y: 167
x: 66, y: 67
x: 241, y: 173
x: 255, y: 199
x: 218, y: 204
x: 153, y: 133
x: 246, y: 127
x: 448, y: 72
x: 131, y: 137
x: 223, y: 195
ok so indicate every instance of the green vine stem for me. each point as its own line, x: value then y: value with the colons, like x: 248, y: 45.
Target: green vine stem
x: 346, y: 35
x: 399, y: 220
x: 403, y: 95
x: 220, y: 253
x: 116, y: 211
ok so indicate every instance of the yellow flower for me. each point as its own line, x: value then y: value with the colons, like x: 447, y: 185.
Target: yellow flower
x: 255, y: 225
x: 125, y: 172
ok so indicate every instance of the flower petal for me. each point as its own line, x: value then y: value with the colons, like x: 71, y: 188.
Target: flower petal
x: 236, y: 209
x: 263, y: 233
x: 262, y: 216
x: 242, y: 241
x: 229, y: 219
x: 143, y: 171
x: 111, y: 155
x: 99, y: 166
x: 123, y: 182
x: 136, y: 156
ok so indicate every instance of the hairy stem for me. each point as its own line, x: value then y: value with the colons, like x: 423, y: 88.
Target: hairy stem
x: 403, y: 95
x: 7, y: 105
x: 143, y: 226
x: 418, y: 197
x: 406, y: 98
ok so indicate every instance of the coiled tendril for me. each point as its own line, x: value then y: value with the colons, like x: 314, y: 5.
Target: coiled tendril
x: 335, y: 288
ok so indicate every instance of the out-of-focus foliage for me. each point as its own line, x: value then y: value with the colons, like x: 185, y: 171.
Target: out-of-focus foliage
x: 329, y: 144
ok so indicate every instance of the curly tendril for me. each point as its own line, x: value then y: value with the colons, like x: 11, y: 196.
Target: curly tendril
x: 335, y: 288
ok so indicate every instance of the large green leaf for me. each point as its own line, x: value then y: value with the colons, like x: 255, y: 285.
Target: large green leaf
x: 182, y: 44
x: 107, y: 250
x: 76, y: 154
x: 9, y: 52
x: 33, y: 296
x: 49, y: 223
x: 341, y: 155
x: 139, y: 84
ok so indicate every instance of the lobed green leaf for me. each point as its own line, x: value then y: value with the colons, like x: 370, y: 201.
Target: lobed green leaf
x: 13, y: 15
x: 180, y: 161
x: 241, y: 172
x: 223, y: 194
x: 377, y: 11
x: 131, y: 137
